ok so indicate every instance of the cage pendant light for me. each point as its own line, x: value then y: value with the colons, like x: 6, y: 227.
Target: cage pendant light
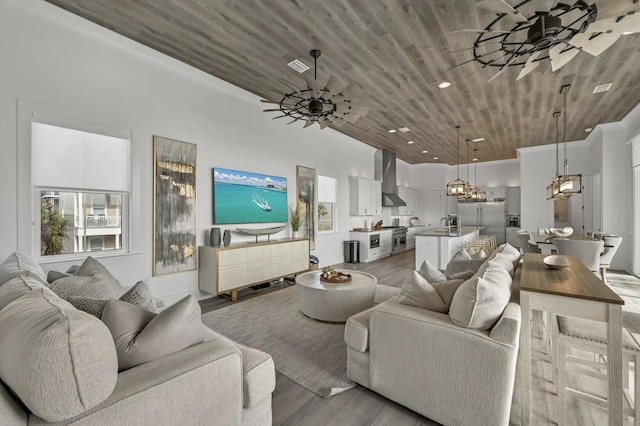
x: 456, y: 187
x: 570, y: 185
x: 468, y: 188
x: 553, y: 190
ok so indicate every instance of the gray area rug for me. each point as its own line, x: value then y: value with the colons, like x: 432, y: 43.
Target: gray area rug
x: 311, y: 353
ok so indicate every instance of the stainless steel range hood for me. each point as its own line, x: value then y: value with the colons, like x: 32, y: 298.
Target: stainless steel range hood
x: 385, y: 170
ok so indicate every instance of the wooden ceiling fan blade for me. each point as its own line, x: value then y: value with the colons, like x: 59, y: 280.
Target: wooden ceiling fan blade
x: 271, y: 110
x: 308, y: 123
x: 594, y: 44
x: 360, y: 110
x: 560, y: 55
x: 531, y: 64
x: 544, y: 5
x: 324, y: 122
x: 503, y: 8
x: 628, y: 24
x: 312, y: 84
x: 335, y: 86
x: 476, y: 31
x: 265, y: 101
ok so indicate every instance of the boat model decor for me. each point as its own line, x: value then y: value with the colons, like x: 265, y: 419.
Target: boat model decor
x: 261, y: 231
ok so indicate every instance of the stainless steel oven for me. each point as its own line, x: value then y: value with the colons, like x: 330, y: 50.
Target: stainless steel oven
x: 399, y: 240
x: 374, y: 241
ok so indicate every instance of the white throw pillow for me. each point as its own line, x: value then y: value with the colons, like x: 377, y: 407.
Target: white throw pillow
x: 503, y: 261
x: 497, y: 274
x: 141, y: 336
x: 417, y: 291
x: 479, y: 303
x: 462, y: 254
x: 431, y: 273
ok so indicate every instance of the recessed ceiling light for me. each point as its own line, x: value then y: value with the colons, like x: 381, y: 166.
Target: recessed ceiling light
x: 392, y: 131
x: 298, y: 65
x: 475, y: 159
x: 588, y: 129
x: 444, y: 84
x: 435, y: 158
x: 424, y: 151
x: 411, y: 142
x: 627, y: 32
x: 477, y: 140
x: 404, y: 129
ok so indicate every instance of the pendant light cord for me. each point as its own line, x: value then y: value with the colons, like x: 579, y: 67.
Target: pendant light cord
x: 565, y: 90
x: 557, y: 116
x: 458, y: 150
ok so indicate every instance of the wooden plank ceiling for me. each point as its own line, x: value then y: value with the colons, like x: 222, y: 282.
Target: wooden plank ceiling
x: 397, y: 50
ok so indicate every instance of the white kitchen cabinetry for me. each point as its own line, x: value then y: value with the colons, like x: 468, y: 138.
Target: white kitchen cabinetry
x: 409, y: 196
x: 365, y: 196
x: 369, y: 253
x: 513, y: 200
x: 224, y: 270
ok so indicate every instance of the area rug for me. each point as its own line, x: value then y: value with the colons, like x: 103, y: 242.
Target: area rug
x: 311, y: 353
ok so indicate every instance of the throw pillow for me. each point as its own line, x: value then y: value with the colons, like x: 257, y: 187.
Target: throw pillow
x: 447, y: 289
x: 495, y: 273
x: 431, y: 273
x: 464, y: 275
x: 141, y: 336
x: 56, y: 275
x: 503, y: 261
x: 138, y: 295
x: 462, y: 254
x: 513, y: 254
x: 61, y: 362
x: 92, y: 268
x: 480, y: 254
x: 478, y: 303
x: 417, y: 291
x: 17, y: 264
x: 89, y: 287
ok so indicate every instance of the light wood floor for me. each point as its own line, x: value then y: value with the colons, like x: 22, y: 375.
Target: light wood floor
x: 295, y: 405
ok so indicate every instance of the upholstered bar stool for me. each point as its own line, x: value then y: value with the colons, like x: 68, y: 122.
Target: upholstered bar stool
x: 587, y: 251
x: 571, y: 334
x: 611, y: 245
x: 525, y: 246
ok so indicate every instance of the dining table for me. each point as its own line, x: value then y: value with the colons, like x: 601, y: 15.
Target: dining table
x: 572, y: 291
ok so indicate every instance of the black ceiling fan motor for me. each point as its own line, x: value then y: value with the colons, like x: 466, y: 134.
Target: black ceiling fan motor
x: 542, y: 34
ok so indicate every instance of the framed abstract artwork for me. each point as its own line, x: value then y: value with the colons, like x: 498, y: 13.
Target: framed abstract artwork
x: 174, y: 206
x: 306, y: 199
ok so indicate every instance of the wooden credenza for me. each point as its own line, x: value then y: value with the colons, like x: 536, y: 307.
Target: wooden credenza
x: 225, y: 270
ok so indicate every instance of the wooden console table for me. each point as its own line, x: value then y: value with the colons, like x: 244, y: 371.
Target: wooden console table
x: 223, y: 270
x: 574, y: 291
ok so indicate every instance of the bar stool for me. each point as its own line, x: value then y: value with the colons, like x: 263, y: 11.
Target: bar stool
x: 611, y: 245
x: 590, y: 336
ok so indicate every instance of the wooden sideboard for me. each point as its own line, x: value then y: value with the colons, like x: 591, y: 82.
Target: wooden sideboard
x: 225, y: 270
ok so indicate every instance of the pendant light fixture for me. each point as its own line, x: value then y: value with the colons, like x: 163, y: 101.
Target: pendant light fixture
x: 456, y: 188
x: 553, y: 190
x: 477, y: 194
x: 570, y: 185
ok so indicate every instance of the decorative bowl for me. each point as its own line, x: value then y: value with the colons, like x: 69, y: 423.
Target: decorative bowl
x: 556, y: 262
x: 561, y: 232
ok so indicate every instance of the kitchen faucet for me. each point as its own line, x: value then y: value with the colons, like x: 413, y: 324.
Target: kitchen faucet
x: 447, y: 223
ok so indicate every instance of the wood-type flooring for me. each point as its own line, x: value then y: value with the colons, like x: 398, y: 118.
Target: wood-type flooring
x: 295, y: 405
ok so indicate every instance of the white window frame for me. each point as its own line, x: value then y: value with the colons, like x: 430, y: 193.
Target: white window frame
x: 334, y: 203
x: 28, y: 230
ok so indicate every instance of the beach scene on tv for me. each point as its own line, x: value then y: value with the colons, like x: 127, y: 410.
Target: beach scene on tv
x: 244, y: 197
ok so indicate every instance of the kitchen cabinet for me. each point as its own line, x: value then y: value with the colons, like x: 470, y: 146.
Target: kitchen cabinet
x: 513, y: 200
x: 409, y: 196
x: 411, y: 235
x: 365, y: 196
x: 382, y: 248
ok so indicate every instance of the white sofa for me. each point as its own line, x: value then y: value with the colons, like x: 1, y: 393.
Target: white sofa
x: 59, y: 365
x: 426, y: 362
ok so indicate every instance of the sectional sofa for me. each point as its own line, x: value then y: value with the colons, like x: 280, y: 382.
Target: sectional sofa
x: 447, y: 351
x: 61, y: 365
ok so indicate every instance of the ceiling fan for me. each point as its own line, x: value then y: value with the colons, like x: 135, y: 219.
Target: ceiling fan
x: 534, y: 30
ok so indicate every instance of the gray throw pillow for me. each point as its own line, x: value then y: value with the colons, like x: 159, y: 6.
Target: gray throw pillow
x: 92, y: 268
x: 89, y: 287
x: 431, y: 273
x: 417, y: 291
x: 18, y: 287
x: 464, y: 275
x: 138, y: 295
x: 56, y: 275
x: 480, y: 254
x: 141, y: 336
x: 17, y: 264
x: 447, y: 289
x: 462, y: 254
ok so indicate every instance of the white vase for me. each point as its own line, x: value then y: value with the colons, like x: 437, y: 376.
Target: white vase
x: 295, y: 234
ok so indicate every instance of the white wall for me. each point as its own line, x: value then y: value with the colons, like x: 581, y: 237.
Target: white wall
x: 59, y: 63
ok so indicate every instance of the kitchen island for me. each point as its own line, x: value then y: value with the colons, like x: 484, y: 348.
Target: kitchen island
x: 438, y: 247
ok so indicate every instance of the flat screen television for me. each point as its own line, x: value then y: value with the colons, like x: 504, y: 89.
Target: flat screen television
x: 244, y: 197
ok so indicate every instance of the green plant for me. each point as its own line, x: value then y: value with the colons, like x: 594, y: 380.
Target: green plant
x: 53, y: 230
x: 296, y: 220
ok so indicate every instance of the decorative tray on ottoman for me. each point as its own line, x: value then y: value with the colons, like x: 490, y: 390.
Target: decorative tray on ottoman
x: 340, y: 278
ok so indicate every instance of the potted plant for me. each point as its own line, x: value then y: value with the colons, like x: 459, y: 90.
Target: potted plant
x: 296, y: 221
